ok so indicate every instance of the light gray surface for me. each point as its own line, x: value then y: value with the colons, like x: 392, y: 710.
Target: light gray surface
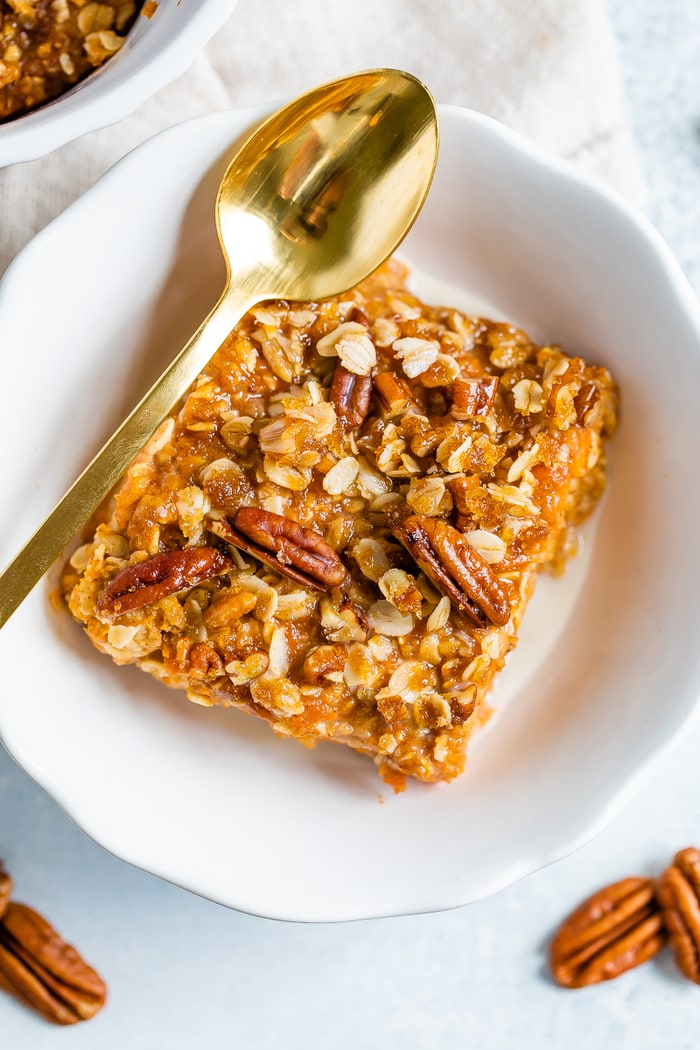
x: 659, y: 46
x: 186, y: 973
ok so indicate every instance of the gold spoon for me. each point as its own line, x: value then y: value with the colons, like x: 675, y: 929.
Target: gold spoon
x: 319, y: 195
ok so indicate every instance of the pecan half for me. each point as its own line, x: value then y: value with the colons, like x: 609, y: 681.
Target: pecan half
x: 5, y: 890
x: 163, y: 574
x: 678, y: 892
x: 474, y: 397
x: 584, y: 401
x: 393, y: 392
x: 616, y: 929
x: 44, y: 972
x: 351, y: 396
x: 455, y: 567
x: 290, y: 548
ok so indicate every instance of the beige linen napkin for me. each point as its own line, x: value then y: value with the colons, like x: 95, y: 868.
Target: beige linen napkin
x: 545, y: 67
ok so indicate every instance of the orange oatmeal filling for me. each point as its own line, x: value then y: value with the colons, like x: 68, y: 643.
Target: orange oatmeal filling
x: 339, y: 529
x: 46, y: 46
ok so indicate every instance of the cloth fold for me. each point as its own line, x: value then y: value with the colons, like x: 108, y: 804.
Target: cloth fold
x: 546, y: 68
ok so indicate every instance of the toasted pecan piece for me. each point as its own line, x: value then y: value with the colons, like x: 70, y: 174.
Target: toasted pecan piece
x: 42, y: 971
x: 285, y: 545
x: 393, y: 392
x: 614, y: 930
x: 351, y: 395
x: 474, y: 397
x: 148, y: 581
x: 5, y: 890
x: 678, y: 892
x: 454, y: 566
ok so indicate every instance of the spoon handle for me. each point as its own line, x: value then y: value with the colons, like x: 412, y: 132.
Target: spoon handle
x: 85, y: 495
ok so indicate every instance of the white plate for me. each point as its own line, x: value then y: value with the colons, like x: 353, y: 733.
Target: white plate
x: 608, y: 669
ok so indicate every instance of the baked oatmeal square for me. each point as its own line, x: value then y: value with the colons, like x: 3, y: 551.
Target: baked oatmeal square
x: 340, y: 527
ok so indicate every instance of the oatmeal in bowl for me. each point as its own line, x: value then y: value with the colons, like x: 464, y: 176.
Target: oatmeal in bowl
x: 68, y: 67
x: 49, y: 45
x: 339, y: 529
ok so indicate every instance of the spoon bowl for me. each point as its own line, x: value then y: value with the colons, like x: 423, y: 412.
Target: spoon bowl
x: 328, y: 186
x: 318, y: 196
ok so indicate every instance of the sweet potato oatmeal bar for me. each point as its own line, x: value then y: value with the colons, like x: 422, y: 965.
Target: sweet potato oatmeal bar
x: 339, y: 529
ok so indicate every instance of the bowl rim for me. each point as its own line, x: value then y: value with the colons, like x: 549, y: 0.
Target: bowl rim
x: 45, y: 129
x: 668, y: 735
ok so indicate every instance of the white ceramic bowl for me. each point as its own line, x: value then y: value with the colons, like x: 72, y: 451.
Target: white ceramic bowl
x: 607, y: 672
x: 157, y: 50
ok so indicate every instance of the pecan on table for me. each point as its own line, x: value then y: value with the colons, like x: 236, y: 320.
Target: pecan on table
x: 678, y: 892
x: 455, y: 567
x: 351, y: 395
x: 285, y: 545
x: 5, y: 890
x: 44, y: 972
x: 148, y: 581
x: 616, y: 929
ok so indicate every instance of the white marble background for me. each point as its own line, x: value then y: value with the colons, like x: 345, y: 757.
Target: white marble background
x: 184, y: 973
